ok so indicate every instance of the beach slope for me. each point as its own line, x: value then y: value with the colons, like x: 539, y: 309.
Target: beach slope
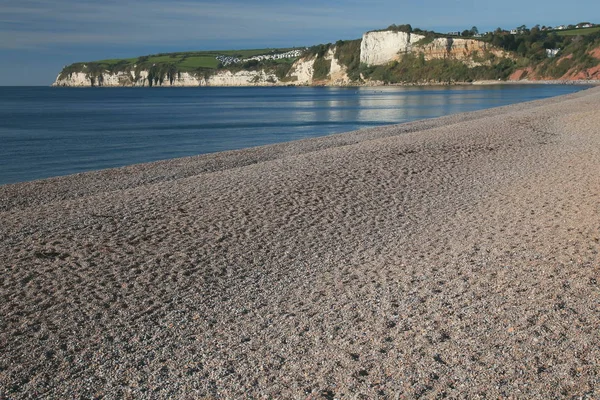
x: 450, y: 257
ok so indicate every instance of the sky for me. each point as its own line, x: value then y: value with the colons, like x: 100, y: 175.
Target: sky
x: 39, y: 37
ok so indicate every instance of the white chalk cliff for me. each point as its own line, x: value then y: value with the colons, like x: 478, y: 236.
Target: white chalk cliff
x: 300, y: 74
x: 338, y: 73
x: 378, y: 48
x: 302, y: 71
x: 182, y: 79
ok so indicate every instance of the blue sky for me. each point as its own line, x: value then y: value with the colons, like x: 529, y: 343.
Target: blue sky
x: 39, y: 37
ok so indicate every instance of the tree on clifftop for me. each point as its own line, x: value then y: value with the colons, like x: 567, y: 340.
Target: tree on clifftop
x: 400, y: 28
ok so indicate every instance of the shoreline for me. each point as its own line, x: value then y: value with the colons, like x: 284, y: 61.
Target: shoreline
x: 123, y: 176
x: 583, y: 82
x: 455, y: 256
x: 166, y: 159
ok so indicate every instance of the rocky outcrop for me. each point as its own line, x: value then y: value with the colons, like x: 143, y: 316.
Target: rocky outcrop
x: 379, y: 48
x: 468, y: 50
x: 575, y: 72
x: 74, y: 79
x: 338, y: 74
x: 241, y: 78
x: 302, y: 72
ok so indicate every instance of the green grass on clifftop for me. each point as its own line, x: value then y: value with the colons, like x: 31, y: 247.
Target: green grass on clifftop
x: 191, y: 61
x: 577, y: 32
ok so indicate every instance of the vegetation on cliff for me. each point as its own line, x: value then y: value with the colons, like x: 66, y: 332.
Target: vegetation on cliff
x: 413, y: 68
x: 347, y: 53
x: 550, y: 54
x: 542, y: 54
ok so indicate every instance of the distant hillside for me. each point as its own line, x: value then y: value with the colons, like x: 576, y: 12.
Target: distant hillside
x: 398, y: 54
x: 567, y: 55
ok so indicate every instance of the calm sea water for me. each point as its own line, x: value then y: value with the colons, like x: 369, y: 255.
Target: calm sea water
x: 48, y: 132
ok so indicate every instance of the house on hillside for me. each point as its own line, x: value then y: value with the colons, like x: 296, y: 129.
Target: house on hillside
x: 551, y: 53
x: 584, y: 25
x: 561, y: 27
x: 454, y: 33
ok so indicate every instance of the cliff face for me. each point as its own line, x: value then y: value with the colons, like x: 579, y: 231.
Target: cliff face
x: 378, y: 48
x: 302, y: 71
x: 458, y: 49
x: 338, y: 73
x: 241, y: 78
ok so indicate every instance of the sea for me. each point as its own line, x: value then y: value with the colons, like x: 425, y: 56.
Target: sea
x: 46, y: 132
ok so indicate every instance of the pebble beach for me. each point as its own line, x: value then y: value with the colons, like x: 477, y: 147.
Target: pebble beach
x: 452, y: 257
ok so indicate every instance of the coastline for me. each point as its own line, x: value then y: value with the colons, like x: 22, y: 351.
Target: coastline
x: 124, y: 177
x: 456, y: 255
x: 583, y: 82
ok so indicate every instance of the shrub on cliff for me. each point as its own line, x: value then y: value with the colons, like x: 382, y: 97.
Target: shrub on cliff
x: 321, y: 69
x: 318, y: 50
x: 574, y: 57
x: 413, y: 68
x: 347, y: 53
x: 406, y: 28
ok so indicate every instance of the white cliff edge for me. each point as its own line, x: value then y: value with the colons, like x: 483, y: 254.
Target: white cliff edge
x: 379, y: 48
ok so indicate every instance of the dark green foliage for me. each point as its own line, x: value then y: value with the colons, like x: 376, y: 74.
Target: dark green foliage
x: 282, y: 69
x: 574, y: 56
x: 414, y: 69
x: 321, y: 68
x: 407, y: 28
x: 348, y: 54
x: 158, y: 74
x: 250, y: 64
x: 319, y: 50
x: 530, y: 43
